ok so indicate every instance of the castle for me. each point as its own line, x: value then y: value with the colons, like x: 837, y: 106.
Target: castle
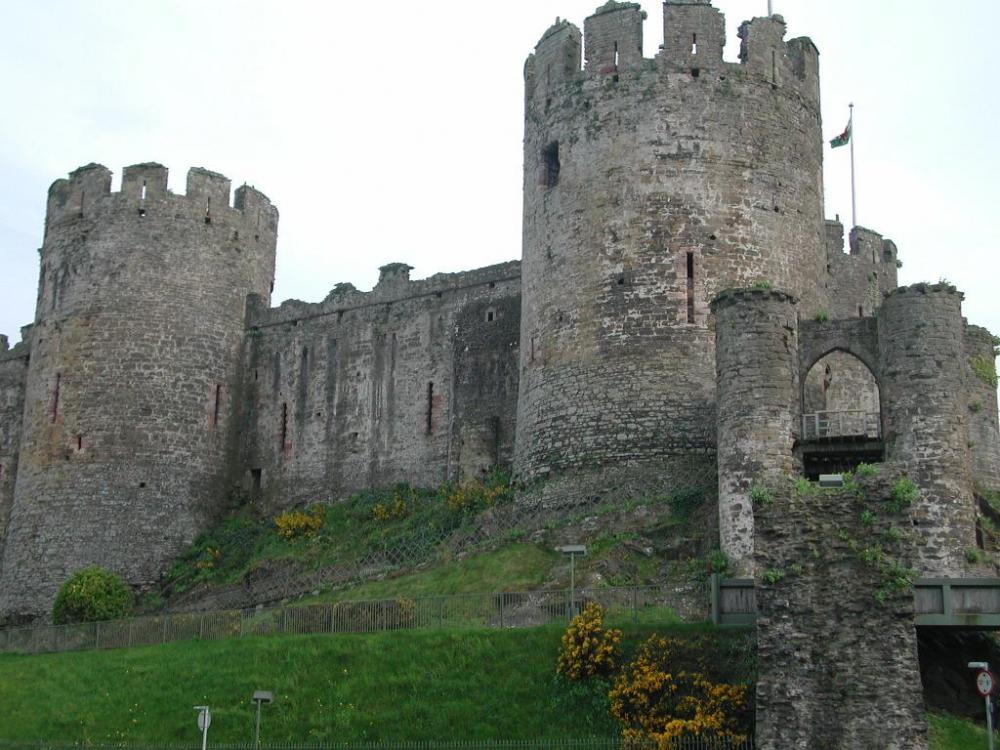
x: 680, y: 294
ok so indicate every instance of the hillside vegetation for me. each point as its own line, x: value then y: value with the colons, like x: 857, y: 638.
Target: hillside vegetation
x: 475, y: 537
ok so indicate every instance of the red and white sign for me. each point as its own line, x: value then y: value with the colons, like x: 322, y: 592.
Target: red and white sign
x: 985, y: 683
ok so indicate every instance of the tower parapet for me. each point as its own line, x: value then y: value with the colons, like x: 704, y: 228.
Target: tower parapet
x: 133, y: 376
x: 613, y: 38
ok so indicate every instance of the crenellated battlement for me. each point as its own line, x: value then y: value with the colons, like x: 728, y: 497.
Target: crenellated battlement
x: 394, y: 286
x: 694, y: 34
x: 86, y: 194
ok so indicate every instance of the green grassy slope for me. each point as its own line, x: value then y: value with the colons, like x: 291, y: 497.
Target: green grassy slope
x: 425, y: 685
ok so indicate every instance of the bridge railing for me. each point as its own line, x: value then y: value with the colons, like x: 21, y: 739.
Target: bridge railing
x: 938, y: 602
x: 833, y: 424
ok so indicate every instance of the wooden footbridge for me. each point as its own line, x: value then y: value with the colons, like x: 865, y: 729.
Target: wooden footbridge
x: 969, y: 603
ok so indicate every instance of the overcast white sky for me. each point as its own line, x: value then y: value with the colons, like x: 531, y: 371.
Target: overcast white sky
x: 391, y: 131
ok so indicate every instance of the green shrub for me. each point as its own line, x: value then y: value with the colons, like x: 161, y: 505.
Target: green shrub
x: 760, y: 495
x: 985, y: 369
x: 866, y: 470
x: 904, y: 492
x: 762, y: 285
x: 822, y: 316
x: 92, y: 594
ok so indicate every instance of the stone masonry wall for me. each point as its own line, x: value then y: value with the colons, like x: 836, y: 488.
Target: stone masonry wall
x: 926, y: 418
x: 857, y: 281
x: 13, y: 369
x: 637, y: 212
x: 369, y: 389
x: 134, y: 375
x: 981, y: 394
x: 837, y: 647
x: 840, y: 382
x: 758, y: 417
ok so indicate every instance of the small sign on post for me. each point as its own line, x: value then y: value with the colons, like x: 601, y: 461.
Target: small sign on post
x: 985, y: 685
x: 204, y: 722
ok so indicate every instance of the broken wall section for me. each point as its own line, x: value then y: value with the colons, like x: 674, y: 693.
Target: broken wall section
x: 837, y: 643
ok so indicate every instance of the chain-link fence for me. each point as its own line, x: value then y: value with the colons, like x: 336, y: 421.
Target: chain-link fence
x: 638, y: 604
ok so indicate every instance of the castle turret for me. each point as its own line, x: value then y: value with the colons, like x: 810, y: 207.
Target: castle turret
x: 925, y: 416
x: 758, y: 407
x: 981, y: 395
x: 133, y: 375
x: 649, y: 187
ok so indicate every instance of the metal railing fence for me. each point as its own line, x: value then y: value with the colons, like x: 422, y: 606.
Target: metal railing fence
x: 612, y: 743
x: 831, y: 424
x: 652, y: 604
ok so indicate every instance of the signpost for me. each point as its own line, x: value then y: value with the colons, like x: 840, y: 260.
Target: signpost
x: 204, y: 722
x: 260, y: 697
x: 985, y: 684
x: 572, y: 550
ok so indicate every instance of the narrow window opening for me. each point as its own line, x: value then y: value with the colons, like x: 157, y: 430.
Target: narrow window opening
x: 690, y: 287
x: 534, y: 340
x: 493, y: 285
x: 284, y: 425
x: 887, y: 256
x: 216, y: 405
x: 774, y: 66
x: 143, y: 194
x: 695, y: 72
x: 79, y: 442
x: 142, y: 212
x: 621, y: 281
x: 142, y: 485
x: 550, y: 164
x: 616, y: 55
x: 256, y: 479
x: 208, y: 211
x: 55, y: 397
x: 430, y: 409
x: 874, y: 257
x: 490, y: 315
x: 694, y: 44
x: 861, y: 312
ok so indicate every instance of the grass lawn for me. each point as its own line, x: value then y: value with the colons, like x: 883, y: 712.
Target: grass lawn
x: 952, y: 733
x: 424, y: 685
x: 521, y: 567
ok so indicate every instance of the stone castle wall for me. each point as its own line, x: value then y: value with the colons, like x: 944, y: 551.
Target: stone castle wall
x: 644, y: 196
x: 981, y: 403
x: 134, y: 377
x: 415, y: 381
x: 758, y: 410
x: 837, y: 647
x: 13, y: 371
x: 859, y: 279
x: 925, y: 417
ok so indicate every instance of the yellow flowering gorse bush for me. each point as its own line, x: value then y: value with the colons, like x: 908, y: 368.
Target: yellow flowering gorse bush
x: 588, y: 650
x: 654, y: 702
x: 297, y: 523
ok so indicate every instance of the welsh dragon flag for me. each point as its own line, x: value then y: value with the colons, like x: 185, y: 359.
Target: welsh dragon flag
x: 843, y: 139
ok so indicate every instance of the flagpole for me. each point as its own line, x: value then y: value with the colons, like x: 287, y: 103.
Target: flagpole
x: 770, y: 8
x: 854, y: 199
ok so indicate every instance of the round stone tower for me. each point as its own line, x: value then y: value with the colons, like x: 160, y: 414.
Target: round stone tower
x: 758, y: 409
x: 649, y: 187
x: 925, y: 417
x: 134, y: 374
